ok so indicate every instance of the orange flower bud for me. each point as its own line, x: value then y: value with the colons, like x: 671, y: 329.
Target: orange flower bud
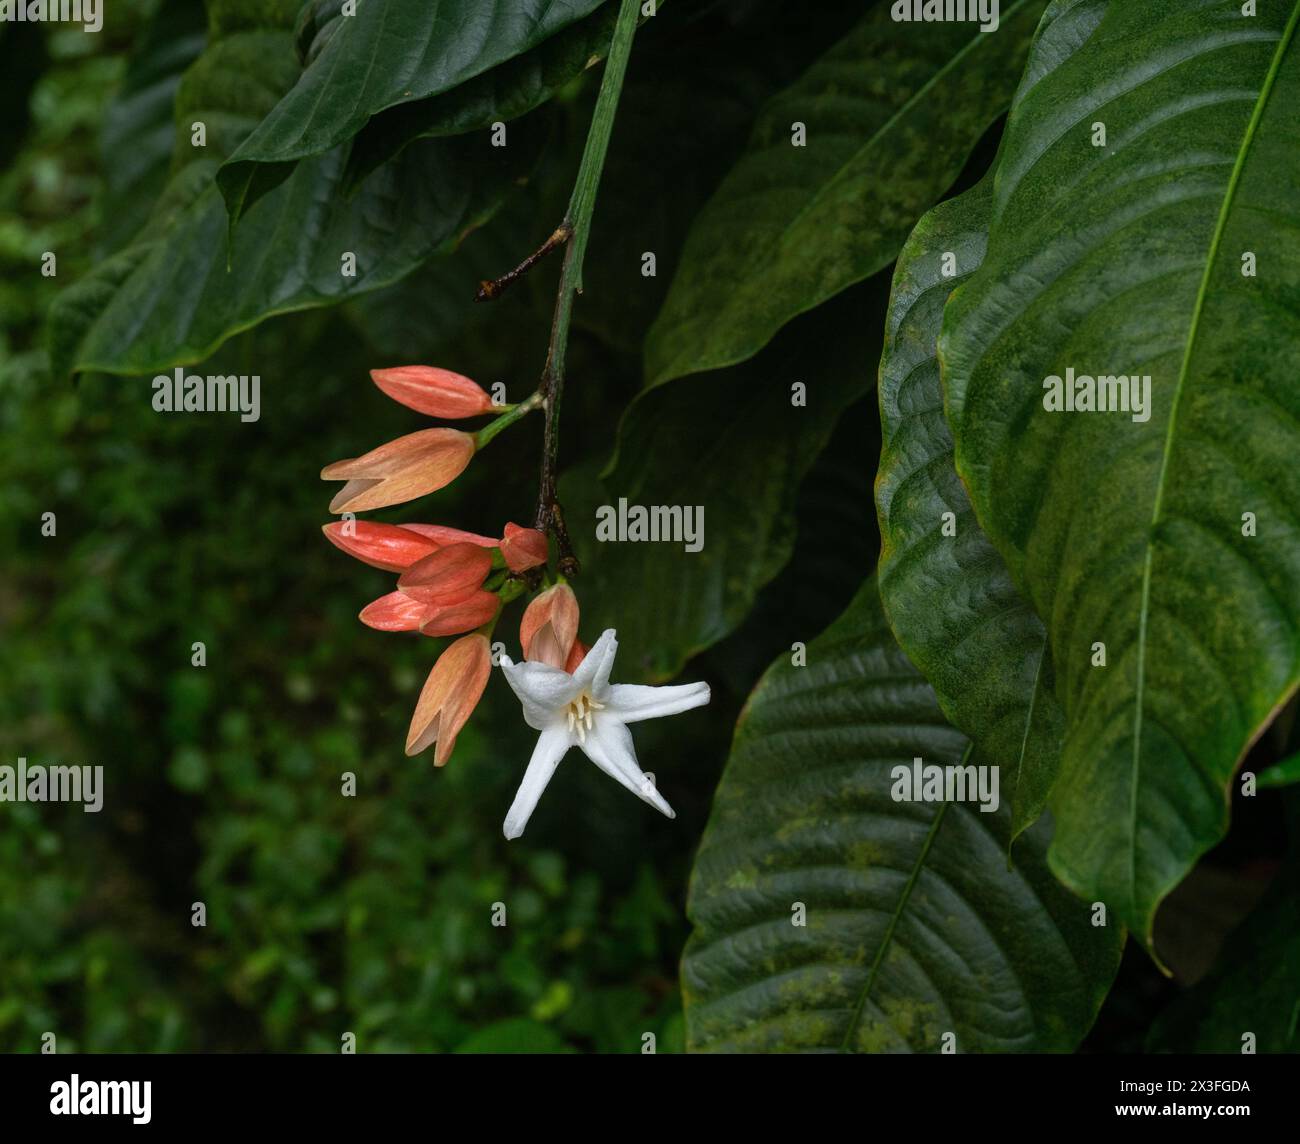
x: 462, y: 616
x: 449, y: 697
x: 523, y: 548
x: 383, y: 546
x: 396, y: 612
x: 448, y: 575
x: 437, y: 392
x: 550, y: 626
x: 576, y: 656
x: 401, y: 470
x: 443, y: 536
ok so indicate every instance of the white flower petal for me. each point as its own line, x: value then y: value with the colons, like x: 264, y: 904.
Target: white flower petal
x: 544, y: 691
x: 552, y: 745
x: 632, y: 702
x: 609, y: 746
x: 593, y: 672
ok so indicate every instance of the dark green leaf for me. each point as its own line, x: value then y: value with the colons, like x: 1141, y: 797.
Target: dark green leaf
x: 949, y: 597
x: 946, y: 591
x: 180, y: 290
x: 1281, y: 774
x: 505, y: 92
x: 735, y: 446
x: 890, y: 120
x: 835, y: 540
x: 1126, y: 259
x: 915, y: 927
x: 318, y: 22
x: 433, y: 309
x: 384, y: 55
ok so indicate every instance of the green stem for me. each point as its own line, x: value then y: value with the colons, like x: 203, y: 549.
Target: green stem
x: 510, y: 590
x: 577, y: 222
x: 508, y: 418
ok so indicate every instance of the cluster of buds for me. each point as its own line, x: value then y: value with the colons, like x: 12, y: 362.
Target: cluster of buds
x: 449, y: 582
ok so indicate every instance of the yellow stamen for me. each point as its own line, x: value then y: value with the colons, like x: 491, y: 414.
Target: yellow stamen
x: 582, y: 715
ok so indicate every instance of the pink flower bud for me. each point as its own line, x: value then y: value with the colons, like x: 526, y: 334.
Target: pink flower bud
x: 443, y: 536
x: 449, y: 697
x: 462, y: 616
x: 523, y: 548
x: 448, y: 575
x: 396, y: 612
x: 383, y: 546
x: 401, y: 470
x: 437, y: 392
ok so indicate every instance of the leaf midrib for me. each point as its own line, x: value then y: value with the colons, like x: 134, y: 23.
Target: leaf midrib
x: 894, y: 917
x: 1211, y: 260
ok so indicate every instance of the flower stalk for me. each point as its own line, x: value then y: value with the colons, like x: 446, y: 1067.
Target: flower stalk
x: 508, y: 418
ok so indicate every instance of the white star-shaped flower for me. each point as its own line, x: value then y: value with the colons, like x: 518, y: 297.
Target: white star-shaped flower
x: 585, y: 710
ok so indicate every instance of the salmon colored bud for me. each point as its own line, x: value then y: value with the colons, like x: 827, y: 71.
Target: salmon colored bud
x: 549, y: 626
x: 443, y: 536
x: 396, y: 612
x: 523, y: 548
x: 401, y: 470
x: 576, y: 656
x: 449, y: 696
x: 545, y: 647
x: 448, y: 575
x: 383, y: 546
x: 437, y: 392
x: 462, y: 616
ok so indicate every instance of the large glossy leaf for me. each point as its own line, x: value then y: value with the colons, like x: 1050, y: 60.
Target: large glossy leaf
x: 504, y: 93
x: 915, y: 925
x: 948, y: 595
x: 735, y: 446
x: 1127, y: 259
x: 890, y: 117
x: 387, y: 54
x: 945, y: 589
x: 180, y: 289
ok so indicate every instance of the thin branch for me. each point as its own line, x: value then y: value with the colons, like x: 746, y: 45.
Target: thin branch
x: 492, y: 288
x: 577, y: 225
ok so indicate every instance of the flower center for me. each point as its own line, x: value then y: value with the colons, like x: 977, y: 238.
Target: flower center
x: 581, y: 714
